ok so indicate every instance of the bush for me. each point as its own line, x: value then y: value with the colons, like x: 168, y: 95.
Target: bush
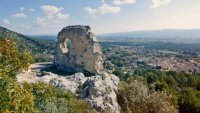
x: 11, y: 59
x: 14, y: 98
x: 189, y: 101
x: 134, y: 97
x: 119, y: 73
x: 52, y: 100
x: 161, y: 86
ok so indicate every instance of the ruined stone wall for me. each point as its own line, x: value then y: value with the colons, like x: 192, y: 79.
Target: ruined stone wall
x: 78, y: 50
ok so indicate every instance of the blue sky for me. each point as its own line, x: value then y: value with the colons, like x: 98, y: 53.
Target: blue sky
x: 36, y: 17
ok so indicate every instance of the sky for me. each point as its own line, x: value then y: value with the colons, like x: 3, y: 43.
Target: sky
x: 37, y: 17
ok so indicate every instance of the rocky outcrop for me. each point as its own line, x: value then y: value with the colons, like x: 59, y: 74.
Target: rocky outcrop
x: 78, y: 50
x: 100, y: 90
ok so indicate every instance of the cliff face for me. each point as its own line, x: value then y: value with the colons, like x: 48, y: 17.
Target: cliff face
x: 78, y: 50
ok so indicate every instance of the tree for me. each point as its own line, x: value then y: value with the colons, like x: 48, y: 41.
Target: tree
x: 11, y: 59
x: 161, y: 86
x: 119, y: 73
x: 14, y: 98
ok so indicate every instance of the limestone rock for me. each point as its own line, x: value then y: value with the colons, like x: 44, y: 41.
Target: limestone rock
x: 78, y: 50
x: 70, y: 83
x: 100, y: 90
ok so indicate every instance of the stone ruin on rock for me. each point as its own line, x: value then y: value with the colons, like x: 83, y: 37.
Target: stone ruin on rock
x: 77, y: 50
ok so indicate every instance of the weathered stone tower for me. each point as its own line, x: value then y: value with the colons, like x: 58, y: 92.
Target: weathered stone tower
x: 77, y: 50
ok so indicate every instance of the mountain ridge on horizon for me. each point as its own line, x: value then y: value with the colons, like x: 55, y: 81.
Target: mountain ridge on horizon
x: 163, y: 33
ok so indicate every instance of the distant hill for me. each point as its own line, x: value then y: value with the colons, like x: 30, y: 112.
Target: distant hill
x: 166, y: 33
x: 23, y: 42
x: 44, y: 37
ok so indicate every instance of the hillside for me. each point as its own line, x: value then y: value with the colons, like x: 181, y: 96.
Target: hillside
x: 24, y: 42
x: 44, y: 37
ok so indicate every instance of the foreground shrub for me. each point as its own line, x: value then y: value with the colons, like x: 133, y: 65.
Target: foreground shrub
x: 134, y: 97
x: 52, y: 100
x: 11, y: 59
x: 13, y: 97
x: 189, y: 101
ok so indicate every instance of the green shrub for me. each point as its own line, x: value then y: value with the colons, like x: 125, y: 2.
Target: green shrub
x: 14, y: 98
x: 52, y: 100
x: 134, y: 97
x: 11, y: 59
x: 161, y: 86
x: 189, y: 101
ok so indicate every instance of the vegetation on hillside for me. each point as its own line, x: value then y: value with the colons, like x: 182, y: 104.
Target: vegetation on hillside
x: 183, y: 89
x: 41, y: 50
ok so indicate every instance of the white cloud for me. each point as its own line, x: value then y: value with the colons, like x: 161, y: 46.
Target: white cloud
x: 21, y: 8
x: 54, y: 15
x: 102, y: 10
x: 19, y: 15
x: 31, y: 9
x: 6, y: 22
x: 106, y: 9
x: 158, y: 3
x: 62, y: 16
x: 91, y: 11
x: 121, y: 2
x: 41, y: 21
x: 50, y: 10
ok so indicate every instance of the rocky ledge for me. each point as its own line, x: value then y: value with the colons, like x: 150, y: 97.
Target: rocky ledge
x: 99, y: 90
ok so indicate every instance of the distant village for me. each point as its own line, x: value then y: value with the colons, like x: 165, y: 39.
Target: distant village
x: 129, y: 58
